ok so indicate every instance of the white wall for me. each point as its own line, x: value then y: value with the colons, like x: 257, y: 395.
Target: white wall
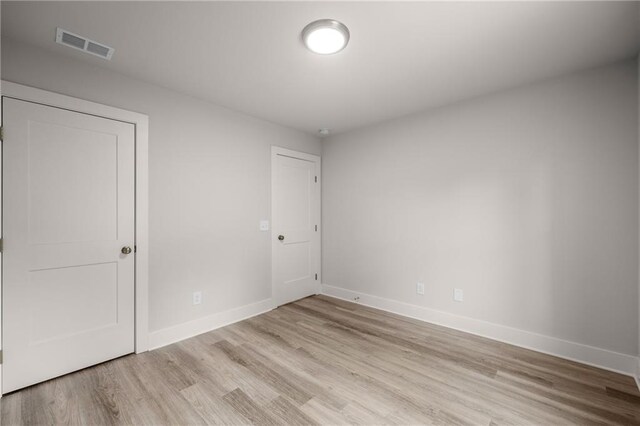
x: 526, y: 199
x: 209, y: 184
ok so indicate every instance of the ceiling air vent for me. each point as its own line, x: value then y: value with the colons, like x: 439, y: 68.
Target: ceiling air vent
x: 75, y: 41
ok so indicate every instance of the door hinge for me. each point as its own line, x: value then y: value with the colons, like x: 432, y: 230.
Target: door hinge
x: 316, y: 277
x: 316, y: 228
x: 0, y: 356
x: 316, y: 179
x: 1, y: 133
x: 1, y: 245
x: 135, y: 248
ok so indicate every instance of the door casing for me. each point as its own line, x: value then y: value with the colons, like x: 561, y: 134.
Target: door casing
x: 275, y: 152
x: 141, y: 125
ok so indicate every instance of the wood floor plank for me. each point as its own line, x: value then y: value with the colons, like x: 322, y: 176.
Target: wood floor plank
x: 288, y: 413
x: 211, y: 407
x: 322, y: 413
x: 265, y: 373
x: 246, y: 407
x: 232, y: 375
x: 326, y: 361
x: 11, y: 409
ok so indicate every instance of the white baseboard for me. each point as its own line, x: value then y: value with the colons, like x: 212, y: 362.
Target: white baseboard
x: 188, y: 329
x: 637, y: 375
x: 590, y: 355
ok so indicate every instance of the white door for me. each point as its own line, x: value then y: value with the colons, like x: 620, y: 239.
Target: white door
x: 296, y: 225
x: 68, y: 221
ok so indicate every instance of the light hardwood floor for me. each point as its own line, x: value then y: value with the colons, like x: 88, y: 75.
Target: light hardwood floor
x: 326, y: 361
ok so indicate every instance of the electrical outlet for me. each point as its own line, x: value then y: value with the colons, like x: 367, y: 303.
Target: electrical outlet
x: 420, y: 288
x: 458, y: 294
x: 356, y: 299
x: 197, y: 297
x: 264, y: 225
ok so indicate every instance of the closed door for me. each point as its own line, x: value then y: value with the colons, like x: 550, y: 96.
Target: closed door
x: 68, y: 261
x: 296, y: 225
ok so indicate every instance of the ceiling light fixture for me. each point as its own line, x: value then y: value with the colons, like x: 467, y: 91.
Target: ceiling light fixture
x: 325, y: 36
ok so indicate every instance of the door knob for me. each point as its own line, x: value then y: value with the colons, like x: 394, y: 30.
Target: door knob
x: 281, y: 237
x: 126, y: 250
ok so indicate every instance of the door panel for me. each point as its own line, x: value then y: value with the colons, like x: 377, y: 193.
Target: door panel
x: 56, y: 316
x: 295, y: 179
x: 68, y: 200
x: 66, y: 163
x: 296, y: 216
x: 296, y: 261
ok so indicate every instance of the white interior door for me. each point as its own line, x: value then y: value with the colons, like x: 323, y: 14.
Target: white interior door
x: 68, y: 219
x: 295, y: 224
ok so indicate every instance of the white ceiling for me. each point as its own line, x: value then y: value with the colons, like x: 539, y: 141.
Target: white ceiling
x: 402, y: 57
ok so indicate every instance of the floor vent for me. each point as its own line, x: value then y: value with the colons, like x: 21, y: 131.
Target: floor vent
x: 78, y: 42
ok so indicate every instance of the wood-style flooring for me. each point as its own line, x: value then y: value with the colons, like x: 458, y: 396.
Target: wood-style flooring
x: 326, y: 361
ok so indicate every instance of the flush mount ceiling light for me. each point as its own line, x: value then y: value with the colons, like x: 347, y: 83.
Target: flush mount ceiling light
x: 325, y: 36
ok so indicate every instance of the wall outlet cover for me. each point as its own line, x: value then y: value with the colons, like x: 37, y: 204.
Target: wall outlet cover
x: 458, y: 294
x: 420, y: 288
x: 264, y: 225
x: 197, y: 297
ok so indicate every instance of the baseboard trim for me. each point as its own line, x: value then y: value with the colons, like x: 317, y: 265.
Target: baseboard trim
x: 637, y: 374
x: 590, y: 355
x: 173, y: 334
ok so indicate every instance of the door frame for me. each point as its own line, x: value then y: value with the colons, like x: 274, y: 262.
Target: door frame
x: 141, y: 125
x: 275, y: 151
